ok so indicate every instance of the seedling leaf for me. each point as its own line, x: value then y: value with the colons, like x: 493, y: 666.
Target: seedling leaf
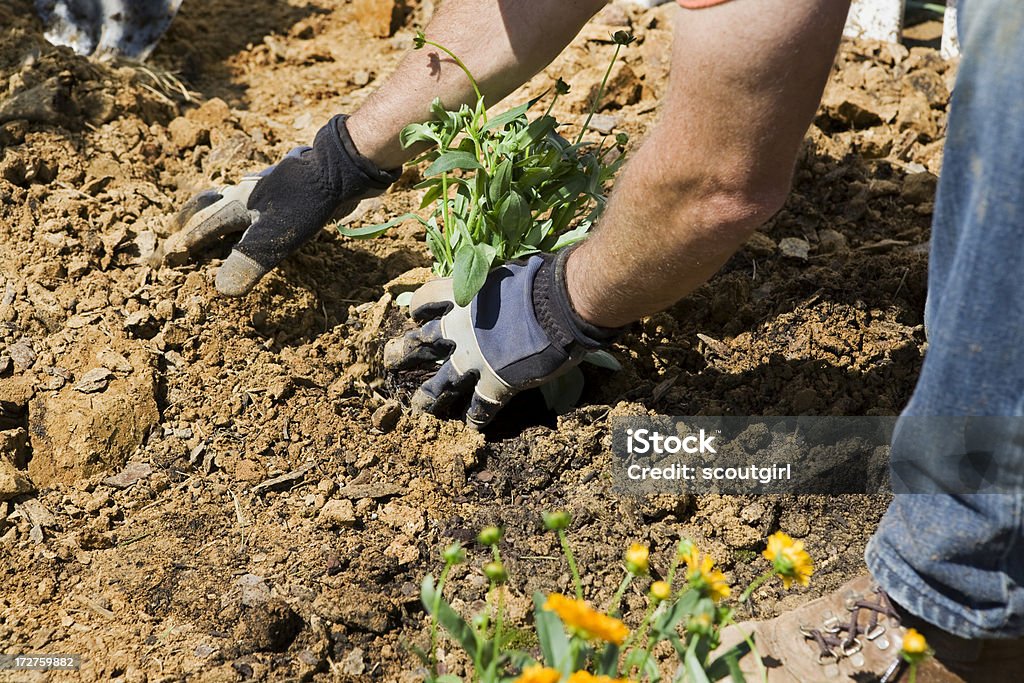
x: 449, y: 161
x: 472, y: 263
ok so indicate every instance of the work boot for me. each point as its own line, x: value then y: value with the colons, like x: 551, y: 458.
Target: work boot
x: 855, y: 634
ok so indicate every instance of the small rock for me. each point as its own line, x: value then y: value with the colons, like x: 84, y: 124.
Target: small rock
x: 795, y: 524
x: 603, y: 123
x: 255, y: 590
x: 761, y: 245
x: 113, y: 360
x: 5, y: 364
x: 13, y: 482
x: 919, y: 188
x: 353, y: 664
x: 379, y: 18
x: 831, y: 241
x: 338, y: 513
x: 386, y: 417
x: 361, y: 78
x: 794, y: 247
x: 94, y: 380
x: 186, y: 133
x: 23, y: 355
x: 129, y: 475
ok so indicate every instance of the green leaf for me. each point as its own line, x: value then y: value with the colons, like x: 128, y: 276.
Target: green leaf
x: 665, y: 624
x: 728, y: 664
x: 603, y: 359
x: 454, y: 624
x: 562, y: 393
x: 418, y: 132
x: 506, y: 117
x: 449, y: 161
x: 554, y: 644
x: 515, y: 217
x: 370, y: 231
x: 431, y: 195
x: 693, y: 665
x: 501, y: 182
x: 472, y: 263
x: 573, y: 236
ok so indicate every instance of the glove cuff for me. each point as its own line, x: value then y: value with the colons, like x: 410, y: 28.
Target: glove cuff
x: 383, y: 178
x: 345, y: 173
x: 560, y: 321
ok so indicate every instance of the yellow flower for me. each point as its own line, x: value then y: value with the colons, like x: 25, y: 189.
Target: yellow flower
x: 701, y: 572
x: 586, y: 677
x: 636, y: 559
x: 789, y: 559
x: 588, y: 622
x: 660, y: 590
x: 915, y: 647
x: 536, y: 673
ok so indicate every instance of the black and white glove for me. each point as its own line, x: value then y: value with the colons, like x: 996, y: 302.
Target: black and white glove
x: 280, y: 208
x: 518, y: 332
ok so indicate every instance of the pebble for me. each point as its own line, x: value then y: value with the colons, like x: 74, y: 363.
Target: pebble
x: 603, y: 123
x: 794, y: 247
x: 338, y: 513
x: 94, y: 380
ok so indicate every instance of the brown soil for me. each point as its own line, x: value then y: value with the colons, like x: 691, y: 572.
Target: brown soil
x: 193, y: 560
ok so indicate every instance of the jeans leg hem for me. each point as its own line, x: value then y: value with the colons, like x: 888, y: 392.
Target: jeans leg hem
x: 904, y: 586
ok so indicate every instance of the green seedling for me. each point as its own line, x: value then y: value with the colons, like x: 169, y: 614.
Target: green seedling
x: 504, y: 187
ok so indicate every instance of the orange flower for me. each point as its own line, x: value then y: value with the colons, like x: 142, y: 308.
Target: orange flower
x: 537, y: 673
x: 586, y: 677
x: 915, y: 648
x: 661, y: 590
x: 637, y: 558
x: 703, y: 576
x: 589, y: 623
x: 789, y: 559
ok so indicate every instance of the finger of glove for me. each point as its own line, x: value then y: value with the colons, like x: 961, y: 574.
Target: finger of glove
x: 417, y: 348
x: 206, y: 216
x: 432, y: 300
x: 439, y: 392
x: 481, y: 411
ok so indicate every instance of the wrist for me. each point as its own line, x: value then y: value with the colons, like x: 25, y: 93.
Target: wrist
x: 556, y: 313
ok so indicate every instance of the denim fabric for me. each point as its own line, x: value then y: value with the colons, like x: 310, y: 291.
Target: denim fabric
x: 957, y: 560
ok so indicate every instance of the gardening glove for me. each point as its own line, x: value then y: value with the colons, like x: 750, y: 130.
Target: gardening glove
x: 518, y: 332
x: 280, y: 208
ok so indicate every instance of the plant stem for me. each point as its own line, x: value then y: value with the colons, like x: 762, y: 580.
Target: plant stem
x: 433, y: 616
x: 465, y: 69
x: 613, y: 607
x: 598, y: 96
x: 755, y: 584
x: 572, y: 563
x: 913, y: 672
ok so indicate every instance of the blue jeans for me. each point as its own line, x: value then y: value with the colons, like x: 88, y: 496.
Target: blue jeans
x: 956, y: 559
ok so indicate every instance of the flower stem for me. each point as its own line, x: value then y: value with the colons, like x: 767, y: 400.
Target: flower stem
x: 613, y: 607
x: 465, y: 69
x: 755, y: 584
x: 913, y: 672
x: 433, y: 616
x: 572, y: 563
x: 598, y: 96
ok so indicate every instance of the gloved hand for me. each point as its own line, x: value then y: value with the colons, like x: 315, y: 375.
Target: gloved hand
x: 280, y: 208
x: 518, y: 332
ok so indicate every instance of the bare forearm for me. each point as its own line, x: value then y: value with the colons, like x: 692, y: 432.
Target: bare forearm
x: 746, y: 80
x: 502, y: 42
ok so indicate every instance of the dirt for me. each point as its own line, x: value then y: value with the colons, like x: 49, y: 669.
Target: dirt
x: 198, y: 487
